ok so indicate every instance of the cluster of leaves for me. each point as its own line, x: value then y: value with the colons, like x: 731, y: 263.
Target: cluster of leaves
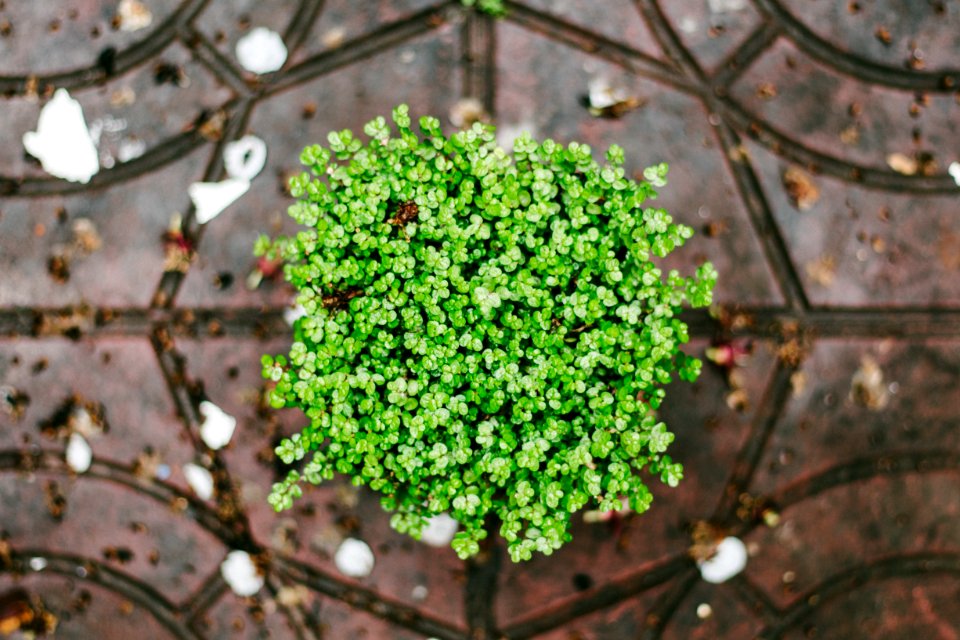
x: 485, y: 336
x: 495, y: 8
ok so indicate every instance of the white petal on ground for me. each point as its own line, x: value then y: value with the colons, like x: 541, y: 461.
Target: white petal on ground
x: 508, y: 133
x: 211, y: 198
x: 241, y: 574
x: 79, y: 453
x: 244, y: 158
x: 130, y: 149
x: 724, y: 6
x: 729, y: 560
x: 292, y: 314
x: 354, y: 558
x: 134, y: 15
x: 603, y: 94
x: 955, y: 172
x: 439, y: 531
x: 217, y: 427
x: 62, y: 141
x: 199, y: 479
x: 261, y: 51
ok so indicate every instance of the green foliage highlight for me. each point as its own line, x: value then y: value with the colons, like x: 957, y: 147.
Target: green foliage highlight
x: 495, y: 8
x: 485, y: 335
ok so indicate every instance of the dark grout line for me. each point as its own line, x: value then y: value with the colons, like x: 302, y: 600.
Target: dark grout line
x: 594, y: 44
x: 140, y: 592
x: 563, y: 612
x: 764, y: 225
x: 848, y: 580
x: 755, y: 600
x: 764, y: 421
x: 223, y: 69
x: 364, y: 599
x: 480, y: 590
x: 666, y: 605
x: 170, y: 282
x: 740, y: 59
x: 365, y: 46
x: 849, y: 63
x: 478, y: 59
x: 155, y: 42
x: 263, y: 323
x: 300, y: 25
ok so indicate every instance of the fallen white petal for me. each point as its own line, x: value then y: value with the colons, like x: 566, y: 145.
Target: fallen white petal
x: 38, y: 564
x: 131, y: 148
x: 439, y: 530
x: 603, y: 94
x: 211, y: 198
x: 199, y: 479
x: 241, y: 574
x: 354, y: 558
x: 134, y: 15
x: 292, y: 314
x: 79, y: 453
x: 244, y: 158
x: 62, y: 141
x: 507, y: 134
x: 955, y: 172
x: 217, y: 427
x: 723, y: 6
x: 729, y: 560
x: 261, y: 51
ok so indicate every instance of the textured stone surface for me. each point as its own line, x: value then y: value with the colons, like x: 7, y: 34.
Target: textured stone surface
x: 839, y: 470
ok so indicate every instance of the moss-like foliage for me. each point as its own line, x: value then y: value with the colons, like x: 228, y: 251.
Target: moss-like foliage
x: 485, y: 335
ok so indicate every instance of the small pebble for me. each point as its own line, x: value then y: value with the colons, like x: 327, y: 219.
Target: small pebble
x: 218, y: 427
x: 241, y: 574
x: 79, y: 454
x: 354, y: 558
x: 439, y: 531
x: 261, y: 51
x: 199, y: 479
x: 729, y: 560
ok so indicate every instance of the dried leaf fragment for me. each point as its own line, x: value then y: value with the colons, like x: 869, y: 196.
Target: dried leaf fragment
x: 801, y: 189
x: 867, y: 388
x: 903, y: 164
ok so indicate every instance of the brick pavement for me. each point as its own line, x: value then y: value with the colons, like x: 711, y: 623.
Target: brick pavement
x: 809, y: 143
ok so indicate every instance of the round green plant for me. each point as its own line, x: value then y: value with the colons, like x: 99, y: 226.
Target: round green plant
x: 485, y: 334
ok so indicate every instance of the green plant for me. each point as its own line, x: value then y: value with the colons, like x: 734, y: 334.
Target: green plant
x: 484, y: 335
x: 493, y: 7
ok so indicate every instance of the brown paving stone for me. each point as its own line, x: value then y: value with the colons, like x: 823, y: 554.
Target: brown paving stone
x: 627, y: 619
x: 864, y: 246
x: 109, y: 373
x: 887, y: 516
x: 711, y: 35
x: 132, y: 247
x: 101, y: 373
x: 933, y: 27
x: 135, y: 534
x: 823, y: 426
x: 34, y: 46
x: 618, y: 20
x: 814, y: 104
x: 81, y: 607
x: 344, y: 20
x: 724, y: 616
